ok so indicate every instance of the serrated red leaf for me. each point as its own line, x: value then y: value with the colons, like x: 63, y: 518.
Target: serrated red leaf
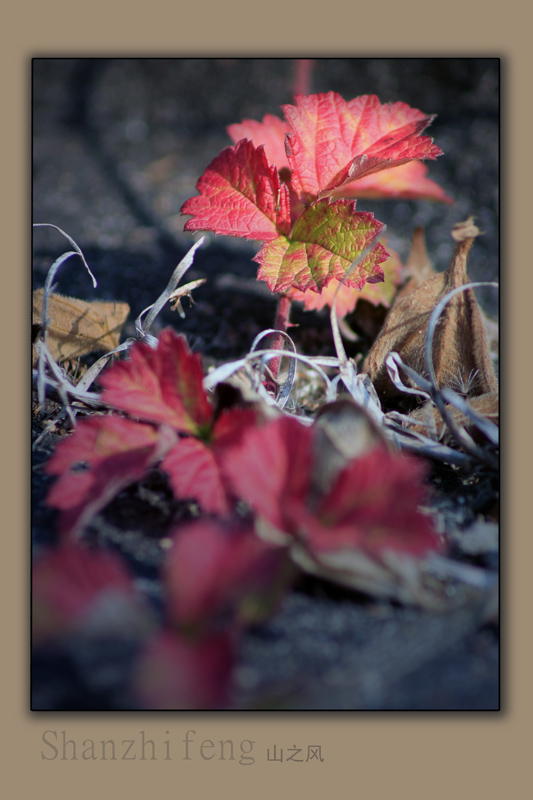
x: 334, y: 141
x: 97, y: 461
x: 161, y: 386
x: 325, y: 241
x: 220, y: 574
x: 174, y: 673
x: 240, y: 195
x: 270, y: 133
x: 269, y: 464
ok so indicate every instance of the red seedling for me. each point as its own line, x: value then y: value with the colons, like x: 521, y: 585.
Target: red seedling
x: 324, y: 145
x: 289, y: 183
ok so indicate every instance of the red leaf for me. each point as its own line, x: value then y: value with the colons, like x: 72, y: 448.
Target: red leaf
x: 174, y: 673
x: 325, y: 241
x: 373, y: 505
x: 161, y: 386
x: 193, y: 466
x: 334, y: 141
x: 220, y: 573
x: 97, y: 461
x: 73, y: 587
x: 407, y: 182
x: 269, y: 464
x: 240, y: 195
x: 270, y: 133
x: 231, y: 425
x: 194, y: 473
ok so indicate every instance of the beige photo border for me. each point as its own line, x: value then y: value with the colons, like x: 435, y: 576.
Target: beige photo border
x: 366, y: 755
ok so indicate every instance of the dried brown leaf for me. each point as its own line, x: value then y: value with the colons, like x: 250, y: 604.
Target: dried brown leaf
x: 76, y: 327
x: 461, y: 356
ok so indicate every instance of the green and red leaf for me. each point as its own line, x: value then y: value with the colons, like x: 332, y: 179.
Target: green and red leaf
x: 348, y: 296
x: 324, y: 243
x: 240, y: 195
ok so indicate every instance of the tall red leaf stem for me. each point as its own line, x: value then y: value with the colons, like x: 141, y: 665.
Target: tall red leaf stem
x: 303, y: 69
x: 281, y: 323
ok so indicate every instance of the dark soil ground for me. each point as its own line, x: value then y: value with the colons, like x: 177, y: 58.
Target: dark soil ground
x: 118, y: 145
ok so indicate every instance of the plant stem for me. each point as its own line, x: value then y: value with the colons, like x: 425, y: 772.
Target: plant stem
x: 281, y: 324
x: 302, y: 75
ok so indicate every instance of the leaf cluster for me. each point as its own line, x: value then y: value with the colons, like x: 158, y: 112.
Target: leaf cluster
x: 291, y: 183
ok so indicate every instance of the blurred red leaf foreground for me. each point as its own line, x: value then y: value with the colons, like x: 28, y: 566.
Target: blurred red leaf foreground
x: 223, y: 572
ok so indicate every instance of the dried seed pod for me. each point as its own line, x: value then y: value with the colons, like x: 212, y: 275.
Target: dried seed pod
x: 418, y: 267
x: 460, y: 349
